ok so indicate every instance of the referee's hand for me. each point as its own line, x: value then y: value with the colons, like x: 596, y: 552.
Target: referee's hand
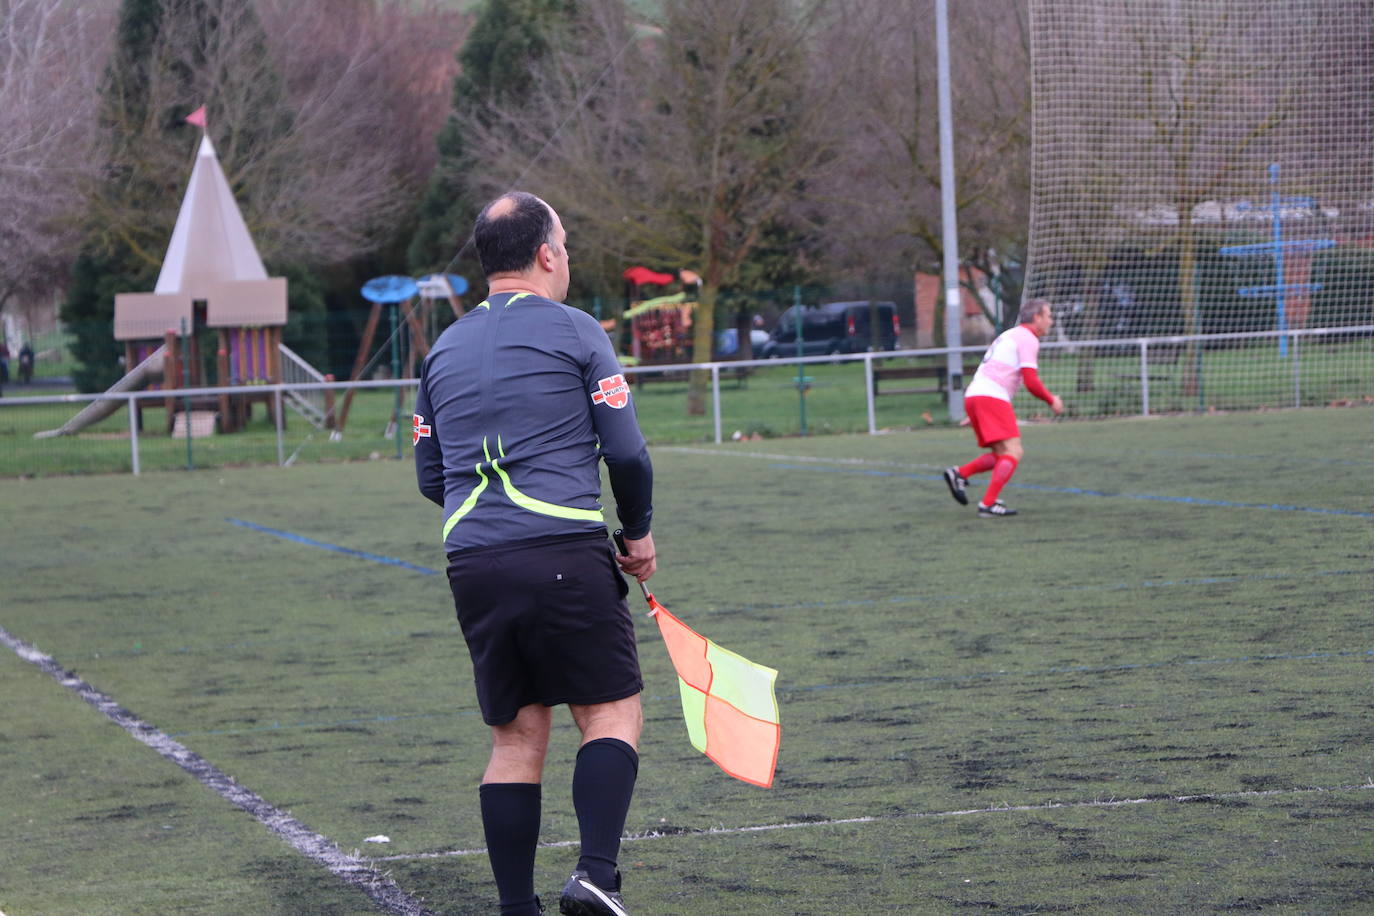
x: 639, y: 558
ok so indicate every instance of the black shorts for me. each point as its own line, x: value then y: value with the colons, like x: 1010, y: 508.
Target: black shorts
x: 545, y: 622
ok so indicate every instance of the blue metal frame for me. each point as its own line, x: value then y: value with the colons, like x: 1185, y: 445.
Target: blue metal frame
x: 1279, y: 289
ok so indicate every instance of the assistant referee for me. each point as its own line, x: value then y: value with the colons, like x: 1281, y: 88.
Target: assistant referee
x: 518, y: 402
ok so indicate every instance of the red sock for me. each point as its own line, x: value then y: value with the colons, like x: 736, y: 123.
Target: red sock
x: 1006, y: 466
x: 983, y: 462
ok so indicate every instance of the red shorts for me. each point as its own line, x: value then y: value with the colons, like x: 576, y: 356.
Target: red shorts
x: 992, y: 418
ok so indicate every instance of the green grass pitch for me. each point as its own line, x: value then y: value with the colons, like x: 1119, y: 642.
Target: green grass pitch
x: 1151, y: 692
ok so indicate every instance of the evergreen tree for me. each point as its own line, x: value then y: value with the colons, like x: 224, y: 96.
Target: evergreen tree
x: 496, y: 63
x: 159, y: 71
x: 109, y: 264
x: 307, y: 317
x: 88, y: 313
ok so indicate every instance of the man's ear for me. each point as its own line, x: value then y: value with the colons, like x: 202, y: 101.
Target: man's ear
x: 544, y: 257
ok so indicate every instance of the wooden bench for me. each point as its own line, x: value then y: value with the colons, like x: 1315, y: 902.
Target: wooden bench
x: 935, y: 371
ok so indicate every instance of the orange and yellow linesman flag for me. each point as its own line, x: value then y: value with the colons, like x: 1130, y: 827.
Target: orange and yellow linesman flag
x: 729, y: 702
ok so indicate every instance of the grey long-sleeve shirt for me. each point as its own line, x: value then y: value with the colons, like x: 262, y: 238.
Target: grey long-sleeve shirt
x: 518, y: 401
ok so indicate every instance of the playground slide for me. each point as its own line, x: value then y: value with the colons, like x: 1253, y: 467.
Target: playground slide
x: 145, y: 373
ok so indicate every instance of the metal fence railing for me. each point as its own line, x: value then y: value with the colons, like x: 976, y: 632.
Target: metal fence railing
x: 863, y: 392
x: 296, y: 375
x: 46, y: 434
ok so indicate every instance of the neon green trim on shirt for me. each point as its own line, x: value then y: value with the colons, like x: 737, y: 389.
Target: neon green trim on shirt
x: 468, y: 503
x: 524, y: 501
x: 530, y: 504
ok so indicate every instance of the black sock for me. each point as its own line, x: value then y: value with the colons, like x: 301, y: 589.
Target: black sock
x: 510, y: 818
x: 603, y: 781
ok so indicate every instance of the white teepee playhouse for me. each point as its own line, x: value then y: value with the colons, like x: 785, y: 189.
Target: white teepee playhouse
x: 212, y: 277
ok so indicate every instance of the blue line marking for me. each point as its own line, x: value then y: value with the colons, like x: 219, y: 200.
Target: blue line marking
x: 1078, y: 491
x: 311, y: 542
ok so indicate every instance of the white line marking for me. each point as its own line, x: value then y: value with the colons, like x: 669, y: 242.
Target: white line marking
x: 918, y: 815
x: 353, y: 870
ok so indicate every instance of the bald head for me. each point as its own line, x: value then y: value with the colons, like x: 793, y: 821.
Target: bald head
x: 522, y: 246
x: 510, y: 230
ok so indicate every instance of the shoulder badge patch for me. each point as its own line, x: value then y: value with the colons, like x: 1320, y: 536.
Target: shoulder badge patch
x: 419, y: 430
x: 612, y: 391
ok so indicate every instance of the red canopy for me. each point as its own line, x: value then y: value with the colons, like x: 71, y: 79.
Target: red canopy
x: 642, y: 275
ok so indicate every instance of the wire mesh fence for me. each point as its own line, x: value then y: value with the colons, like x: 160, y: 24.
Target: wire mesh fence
x: 870, y: 392
x: 1202, y: 167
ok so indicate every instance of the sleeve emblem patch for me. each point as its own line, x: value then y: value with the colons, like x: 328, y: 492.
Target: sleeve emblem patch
x: 420, y: 429
x: 612, y: 391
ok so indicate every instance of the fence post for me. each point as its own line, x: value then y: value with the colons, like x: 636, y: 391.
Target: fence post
x: 277, y: 418
x: 868, y: 390
x: 1297, y: 372
x: 186, y: 381
x: 395, y: 377
x: 1144, y: 377
x: 715, y: 397
x: 801, y: 367
x: 133, y: 433
x: 1201, y: 383
x: 329, y: 421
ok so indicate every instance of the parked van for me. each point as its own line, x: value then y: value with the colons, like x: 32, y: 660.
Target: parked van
x: 836, y: 327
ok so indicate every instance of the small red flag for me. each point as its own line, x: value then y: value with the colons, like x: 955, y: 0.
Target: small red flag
x: 197, y: 117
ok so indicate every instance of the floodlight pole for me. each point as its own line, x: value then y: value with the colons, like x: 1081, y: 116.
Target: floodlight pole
x: 954, y: 365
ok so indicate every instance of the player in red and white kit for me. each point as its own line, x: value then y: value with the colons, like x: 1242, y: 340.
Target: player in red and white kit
x: 1011, y: 360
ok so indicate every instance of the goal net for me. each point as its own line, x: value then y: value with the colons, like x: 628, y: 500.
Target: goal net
x: 1203, y: 170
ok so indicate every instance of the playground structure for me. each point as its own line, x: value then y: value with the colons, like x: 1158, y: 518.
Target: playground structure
x: 660, y: 326
x: 411, y: 308
x: 247, y: 317
x: 1292, y: 299
x: 147, y: 373
x: 212, y: 278
x: 213, y: 286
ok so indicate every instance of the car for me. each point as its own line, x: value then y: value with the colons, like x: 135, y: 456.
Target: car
x: 727, y: 341
x: 833, y: 328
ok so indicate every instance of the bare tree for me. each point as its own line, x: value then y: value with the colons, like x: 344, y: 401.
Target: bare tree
x: 1082, y: 170
x: 1204, y: 115
x: 396, y: 59
x: 679, y: 143
x: 51, y: 55
x: 312, y: 111
x: 882, y: 198
x: 1152, y: 114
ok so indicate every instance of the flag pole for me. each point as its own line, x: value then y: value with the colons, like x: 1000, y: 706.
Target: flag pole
x: 619, y: 537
